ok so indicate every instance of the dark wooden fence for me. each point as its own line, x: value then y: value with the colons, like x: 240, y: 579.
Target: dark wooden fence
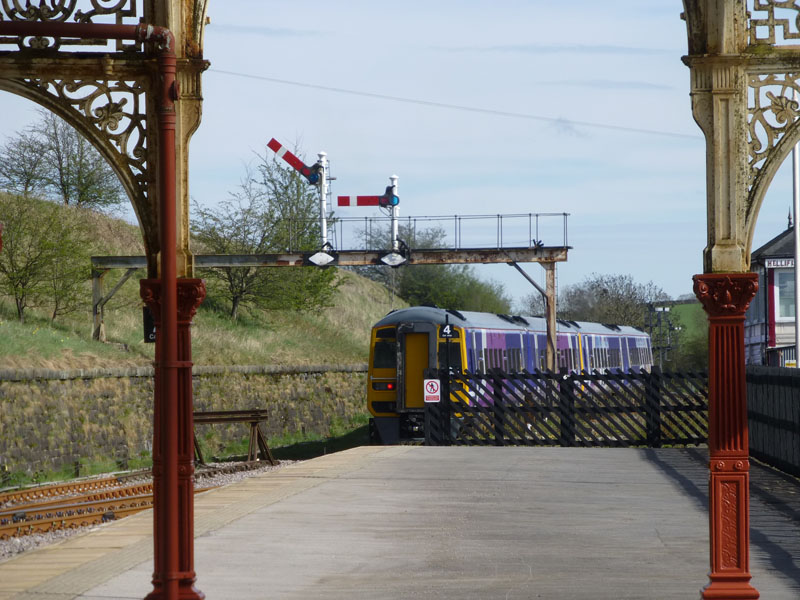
x: 566, y: 409
x: 773, y: 409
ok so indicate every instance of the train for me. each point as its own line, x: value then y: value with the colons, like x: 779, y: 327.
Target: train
x: 409, y: 343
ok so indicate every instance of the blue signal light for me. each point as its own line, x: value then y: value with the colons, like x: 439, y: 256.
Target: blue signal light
x: 389, y: 198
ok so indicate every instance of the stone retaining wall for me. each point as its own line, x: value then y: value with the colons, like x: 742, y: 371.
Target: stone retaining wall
x: 49, y: 419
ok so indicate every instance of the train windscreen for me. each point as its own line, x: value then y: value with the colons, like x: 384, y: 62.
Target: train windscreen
x: 385, y: 355
x: 455, y: 355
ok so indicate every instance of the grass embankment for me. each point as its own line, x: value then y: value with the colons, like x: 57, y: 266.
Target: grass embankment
x: 337, y: 334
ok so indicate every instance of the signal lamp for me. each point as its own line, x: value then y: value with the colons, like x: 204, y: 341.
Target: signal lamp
x: 384, y: 386
x: 393, y: 259
x: 389, y: 198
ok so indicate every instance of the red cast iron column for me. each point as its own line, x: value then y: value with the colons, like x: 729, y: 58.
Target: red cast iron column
x: 170, y: 549
x: 174, y: 575
x: 190, y: 293
x: 725, y: 297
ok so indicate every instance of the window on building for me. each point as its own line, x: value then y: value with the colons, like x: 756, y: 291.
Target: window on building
x: 784, y: 296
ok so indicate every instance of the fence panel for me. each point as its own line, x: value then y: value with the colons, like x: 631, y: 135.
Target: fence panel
x: 773, y: 410
x: 568, y: 409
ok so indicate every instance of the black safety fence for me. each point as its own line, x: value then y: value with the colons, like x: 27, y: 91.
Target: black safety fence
x: 773, y: 410
x: 544, y: 408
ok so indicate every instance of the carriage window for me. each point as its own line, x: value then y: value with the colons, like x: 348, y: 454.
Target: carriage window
x: 516, y: 359
x: 614, y: 358
x: 635, y: 359
x: 385, y: 356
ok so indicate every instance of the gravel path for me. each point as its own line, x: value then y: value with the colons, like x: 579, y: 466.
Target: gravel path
x: 14, y: 546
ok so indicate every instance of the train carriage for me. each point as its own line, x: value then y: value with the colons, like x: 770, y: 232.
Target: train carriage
x: 408, y: 342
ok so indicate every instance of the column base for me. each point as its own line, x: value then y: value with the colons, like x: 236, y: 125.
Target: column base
x: 730, y: 590
x: 186, y: 590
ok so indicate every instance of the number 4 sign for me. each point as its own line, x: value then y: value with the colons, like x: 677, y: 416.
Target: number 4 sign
x: 432, y: 390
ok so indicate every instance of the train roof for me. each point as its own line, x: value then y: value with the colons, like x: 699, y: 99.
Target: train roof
x: 483, y: 320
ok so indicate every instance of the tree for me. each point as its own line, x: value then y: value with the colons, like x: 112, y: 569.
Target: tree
x: 52, y: 160
x: 75, y: 173
x: 21, y: 165
x: 692, y: 350
x: 615, y: 299
x: 533, y: 304
x: 273, y: 211
x: 70, y: 267
x: 45, y: 254
x: 446, y: 286
x: 451, y: 286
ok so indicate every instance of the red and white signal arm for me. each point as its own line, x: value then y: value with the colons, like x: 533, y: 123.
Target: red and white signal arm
x: 432, y: 390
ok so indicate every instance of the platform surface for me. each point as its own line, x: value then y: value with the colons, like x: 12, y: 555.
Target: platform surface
x: 439, y: 523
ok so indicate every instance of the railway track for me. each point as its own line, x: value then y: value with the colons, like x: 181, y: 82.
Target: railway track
x: 86, y: 502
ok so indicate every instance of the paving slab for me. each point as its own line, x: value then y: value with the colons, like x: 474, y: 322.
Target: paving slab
x: 467, y: 523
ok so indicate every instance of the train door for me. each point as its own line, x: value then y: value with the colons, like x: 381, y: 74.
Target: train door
x: 585, y: 352
x: 417, y: 343
x: 416, y: 361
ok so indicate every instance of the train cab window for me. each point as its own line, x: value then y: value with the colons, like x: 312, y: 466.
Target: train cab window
x: 455, y: 355
x: 385, y: 356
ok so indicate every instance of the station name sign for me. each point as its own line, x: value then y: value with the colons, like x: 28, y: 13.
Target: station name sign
x: 779, y: 263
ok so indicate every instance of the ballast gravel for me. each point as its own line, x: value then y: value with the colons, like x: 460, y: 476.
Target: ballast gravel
x: 17, y: 545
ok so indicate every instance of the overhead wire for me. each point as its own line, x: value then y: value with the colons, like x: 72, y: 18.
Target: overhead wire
x: 474, y: 109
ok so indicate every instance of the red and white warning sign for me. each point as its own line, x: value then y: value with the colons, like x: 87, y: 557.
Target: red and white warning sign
x: 432, y: 390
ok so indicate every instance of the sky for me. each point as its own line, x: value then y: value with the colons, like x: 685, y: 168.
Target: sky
x: 480, y: 108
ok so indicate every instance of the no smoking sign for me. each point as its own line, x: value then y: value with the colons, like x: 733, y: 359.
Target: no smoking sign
x: 432, y: 390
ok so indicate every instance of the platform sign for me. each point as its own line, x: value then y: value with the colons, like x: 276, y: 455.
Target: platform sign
x: 432, y: 390
x: 149, y: 326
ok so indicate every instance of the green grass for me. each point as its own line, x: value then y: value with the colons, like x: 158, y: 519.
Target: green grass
x: 692, y: 318
x: 65, y: 343
x: 338, y: 334
x: 334, y: 335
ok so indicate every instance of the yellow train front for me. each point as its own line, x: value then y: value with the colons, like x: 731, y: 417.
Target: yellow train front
x: 410, y: 343
x: 405, y: 345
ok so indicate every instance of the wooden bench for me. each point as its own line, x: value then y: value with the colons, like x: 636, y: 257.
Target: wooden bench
x: 258, y: 443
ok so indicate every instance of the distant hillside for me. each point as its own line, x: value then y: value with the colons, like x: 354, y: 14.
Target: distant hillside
x: 338, y: 334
